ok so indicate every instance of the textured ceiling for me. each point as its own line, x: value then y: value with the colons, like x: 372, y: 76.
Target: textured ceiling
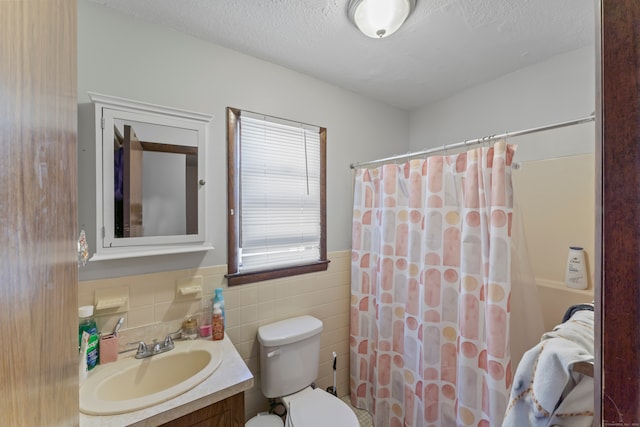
x: 444, y: 47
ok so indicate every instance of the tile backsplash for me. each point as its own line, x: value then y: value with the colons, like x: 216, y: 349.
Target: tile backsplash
x: 155, y: 308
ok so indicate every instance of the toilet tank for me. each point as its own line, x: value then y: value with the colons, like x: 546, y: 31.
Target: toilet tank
x: 289, y: 355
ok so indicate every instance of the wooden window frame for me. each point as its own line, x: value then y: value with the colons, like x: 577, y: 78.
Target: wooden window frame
x: 235, y: 277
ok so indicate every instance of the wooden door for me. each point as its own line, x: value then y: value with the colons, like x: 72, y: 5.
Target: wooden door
x: 38, y: 231
x: 618, y: 214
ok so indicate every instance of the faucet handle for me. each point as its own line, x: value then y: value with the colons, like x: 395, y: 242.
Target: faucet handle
x: 168, y: 341
x: 142, y: 347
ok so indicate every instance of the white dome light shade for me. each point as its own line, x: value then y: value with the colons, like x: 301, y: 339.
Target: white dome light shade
x: 379, y: 18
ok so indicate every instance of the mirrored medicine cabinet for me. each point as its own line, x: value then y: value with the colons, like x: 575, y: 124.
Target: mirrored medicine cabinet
x: 150, y: 178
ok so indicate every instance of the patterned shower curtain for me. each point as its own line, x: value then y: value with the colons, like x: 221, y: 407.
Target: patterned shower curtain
x: 430, y: 290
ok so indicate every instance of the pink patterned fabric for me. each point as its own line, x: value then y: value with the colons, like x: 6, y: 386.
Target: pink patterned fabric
x: 430, y: 290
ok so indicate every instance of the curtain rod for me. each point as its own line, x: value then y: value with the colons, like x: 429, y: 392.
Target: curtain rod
x: 462, y: 144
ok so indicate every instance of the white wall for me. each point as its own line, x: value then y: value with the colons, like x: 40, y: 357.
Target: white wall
x: 122, y: 56
x: 559, y: 89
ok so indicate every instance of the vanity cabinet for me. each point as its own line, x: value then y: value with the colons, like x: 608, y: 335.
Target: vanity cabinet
x: 142, y: 169
x: 226, y: 413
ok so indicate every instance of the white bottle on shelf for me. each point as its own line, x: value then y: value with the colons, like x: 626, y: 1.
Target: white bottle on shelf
x: 576, y: 275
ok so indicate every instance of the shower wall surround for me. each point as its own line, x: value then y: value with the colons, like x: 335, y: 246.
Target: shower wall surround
x: 556, y: 197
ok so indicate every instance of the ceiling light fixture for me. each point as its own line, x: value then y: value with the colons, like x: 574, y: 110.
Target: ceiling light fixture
x: 379, y: 18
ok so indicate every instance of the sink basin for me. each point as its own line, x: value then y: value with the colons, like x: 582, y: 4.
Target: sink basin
x: 131, y: 384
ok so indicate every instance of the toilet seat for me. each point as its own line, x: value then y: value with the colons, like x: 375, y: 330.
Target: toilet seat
x: 317, y: 408
x: 262, y: 420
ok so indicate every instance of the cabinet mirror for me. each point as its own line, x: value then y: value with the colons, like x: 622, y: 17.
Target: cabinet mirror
x: 150, y: 178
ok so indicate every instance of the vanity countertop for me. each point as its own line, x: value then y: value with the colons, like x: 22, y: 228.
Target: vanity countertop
x: 232, y: 377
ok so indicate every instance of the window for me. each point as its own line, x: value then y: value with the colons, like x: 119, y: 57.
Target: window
x: 276, y: 197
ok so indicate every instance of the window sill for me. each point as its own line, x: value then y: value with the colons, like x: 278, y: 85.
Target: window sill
x: 259, y: 276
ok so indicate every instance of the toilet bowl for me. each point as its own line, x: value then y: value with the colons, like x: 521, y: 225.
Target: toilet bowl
x: 310, y: 408
x: 264, y: 420
x: 317, y: 408
x: 289, y: 359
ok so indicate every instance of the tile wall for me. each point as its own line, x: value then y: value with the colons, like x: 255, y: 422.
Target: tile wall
x: 156, y: 308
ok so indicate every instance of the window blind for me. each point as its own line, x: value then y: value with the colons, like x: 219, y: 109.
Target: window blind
x: 279, y: 193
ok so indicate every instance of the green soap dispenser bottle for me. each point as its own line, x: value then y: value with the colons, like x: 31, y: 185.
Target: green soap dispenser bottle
x: 87, y: 324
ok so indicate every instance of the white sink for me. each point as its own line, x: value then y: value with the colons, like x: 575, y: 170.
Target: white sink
x: 131, y: 384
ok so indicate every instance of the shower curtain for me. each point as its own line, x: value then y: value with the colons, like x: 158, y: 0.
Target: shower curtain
x: 430, y: 290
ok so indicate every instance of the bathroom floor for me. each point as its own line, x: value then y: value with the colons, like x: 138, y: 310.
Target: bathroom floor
x: 363, y: 416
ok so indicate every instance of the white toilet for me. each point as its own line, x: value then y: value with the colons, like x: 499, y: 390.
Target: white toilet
x: 289, y: 358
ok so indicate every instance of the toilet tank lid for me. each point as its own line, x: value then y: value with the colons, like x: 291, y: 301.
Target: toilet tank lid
x: 289, y: 330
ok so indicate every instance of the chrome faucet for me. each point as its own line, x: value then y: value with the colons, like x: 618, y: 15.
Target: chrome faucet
x: 148, y: 350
